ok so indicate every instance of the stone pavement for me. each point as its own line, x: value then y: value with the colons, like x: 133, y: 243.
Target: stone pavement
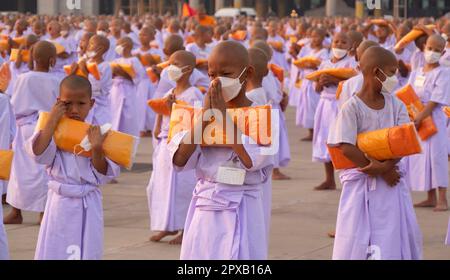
x: 301, y: 217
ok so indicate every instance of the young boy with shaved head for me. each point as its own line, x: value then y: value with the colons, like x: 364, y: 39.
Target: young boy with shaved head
x: 224, y: 221
x: 72, y: 227
x: 34, y: 91
x: 428, y: 171
x: 169, y: 192
x: 376, y: 218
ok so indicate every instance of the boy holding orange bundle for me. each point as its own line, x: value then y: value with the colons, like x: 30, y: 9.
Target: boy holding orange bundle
x: 429, y: 171
x: 169, y: 192
x: 375, y: 218
x: 72, y: 227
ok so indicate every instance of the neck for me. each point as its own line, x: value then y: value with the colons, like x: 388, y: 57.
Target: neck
x: 201, y: 44
x: 145, y: 47
x: 368, y: 92
x: 182, y: 85
x: 41, y: 68
x: 335, y: 59
x: 429, y: 67
x: 253, y: 84
x: 127, y: 54
x: 240, y: 101
x: 98, y: 58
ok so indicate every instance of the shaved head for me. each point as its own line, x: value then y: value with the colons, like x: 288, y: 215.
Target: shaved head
x: 436, y: 41
x: 364, y: 46
x: 376, y: 57
x: 172, y: 44
x: 43, y: 51
x: 231, y: 51
x: 183, y: 58
x: 264, y: 47
x: 258, y: 60
x: 78, y: 83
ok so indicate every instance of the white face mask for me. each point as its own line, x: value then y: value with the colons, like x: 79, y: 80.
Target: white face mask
x: 174, y: 72
x: 389, y: 83
x: 431, y: 57
x: 64, y: 33
x: 231, y: 87
x: 102, y: 33
x: 91, y: 54
x: 338, y: 53
x: 119, y: 50
x: 444, y: 36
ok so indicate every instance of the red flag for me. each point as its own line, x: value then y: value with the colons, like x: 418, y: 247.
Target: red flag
x: 188, y: 11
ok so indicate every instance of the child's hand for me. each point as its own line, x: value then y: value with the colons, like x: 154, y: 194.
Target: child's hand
x: 284, y: 101
x: 374, y: 168
x: 391, y: 177
x: 217, y: 101
x: 96, y: 138
x: 82, y: 66
x: 58, y: 111
x: 318, y: 87
x: 170, y: 100
x: 418, y: 120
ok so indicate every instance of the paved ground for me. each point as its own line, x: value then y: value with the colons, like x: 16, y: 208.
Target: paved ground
x: 301, y: 217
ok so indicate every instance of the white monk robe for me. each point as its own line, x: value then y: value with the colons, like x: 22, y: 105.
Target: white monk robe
x: 374, y: 220
x: 124, y: 98
x: 58, y: 69
x: 34, y: 92
x: 7, y: 126
x: 169, y: 193
x: 101, y: 89
x: 72, y: 226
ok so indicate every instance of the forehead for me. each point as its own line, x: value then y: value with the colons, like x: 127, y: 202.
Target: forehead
x: 74, y: 94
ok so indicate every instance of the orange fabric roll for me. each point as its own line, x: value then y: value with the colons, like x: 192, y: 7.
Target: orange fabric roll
x: 68, y: 70
x: 276, y: 45
x: 163, y: 65
x: 59, y: 48
x: 293, y: 39
x: 150, y: 59
x: 307, y: 62
x: 414, y: 106
x: 256, y: 119
x: 20, y: 40
x: 128, y: 68
x: 4, y: 45
x: 5, y: 76
x: 379, y: 21
x: 152, y: 76
x: 339, y: 89
x: 93, y: 70
x: 277, y: 71
x: 382, y: 144
x: 189, y: 39
x: 202, y: 89
x: 6, y: 158
x: 447, y: 111
x: 341, y: 73
x: 15, y: 53
x: 118, y: 147
x: 411, y: 36
x: 200, y: 61
x: 159, y: 105
x: 239, y: 35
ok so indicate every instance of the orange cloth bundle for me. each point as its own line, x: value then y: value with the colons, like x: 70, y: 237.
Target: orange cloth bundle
x: 256, y: 124
x: 293, y: 39
x: 413, y: 104
x: 150, y: 59
x: 380, y: 21
x: 340, y: 73
x: 159, y: 105
x: 15, y: 53
x: 189, y: 39
x: 411, y: 36
x: 202, y: 89
x: 277, y: 71
x: 275, y: 44
x: 163, y: 65
x: 447, y: 111
x: 20, y: 40
x: 118, y: 147
x: 152, y: 76
x: 5, y: 77
x: 128, y: 68
x: 382, y: 144
x: 91, y: 67
x: 200, y: 61
x: 59, y: 48
x: 339, y: 89
x: 307, y: 62
x: 6, y: 158
x: 239, y: 35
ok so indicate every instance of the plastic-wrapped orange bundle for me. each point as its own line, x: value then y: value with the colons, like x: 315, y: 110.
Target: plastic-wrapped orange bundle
x: 163, y: 65
x: 293, y: 39
x: 414, y: 106
x: 150, y: 59
x: 239, y: 35
x: 380, y: 22
x: 277, y: 71
x: 6, y: 157
x: 447, y: 111
x: 382, y: 144
x: 128, y: 68
x: 159, y: 105
x: 19, y: 40
x: 307, y: 62
x: 15, y: 53
x: 151, y: 75
x: 411, y: 36
x: 256, y: 124
x: 118, y: 147
x: 91, y: 67
x: 276, y: 44
x: 340, y: 73
x: 200, y: 61
x: 59, y: 48
x: 339, y: 89
x: 4, y: 45
x: 5, y: 76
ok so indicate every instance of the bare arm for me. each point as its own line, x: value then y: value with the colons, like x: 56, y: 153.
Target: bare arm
x: 98, y: 157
